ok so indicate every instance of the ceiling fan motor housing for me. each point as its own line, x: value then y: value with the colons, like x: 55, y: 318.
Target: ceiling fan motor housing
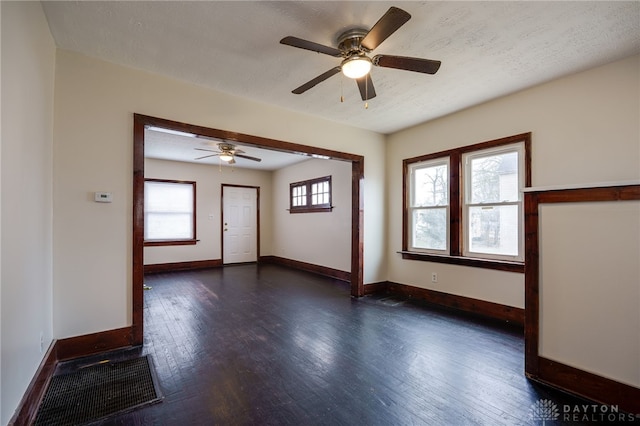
x: 349, y: 41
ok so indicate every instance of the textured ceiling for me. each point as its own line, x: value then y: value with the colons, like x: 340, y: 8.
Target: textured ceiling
x: 487, y: 49
x: 163, y: 146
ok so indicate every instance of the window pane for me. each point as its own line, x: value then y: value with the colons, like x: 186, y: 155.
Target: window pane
x: 430, y: 229
x: 174, y: 197
x: 494, y: 179
x: 494, y: 230
x: 168, y: 208
x: 430, y: 186
x: 168, y: 226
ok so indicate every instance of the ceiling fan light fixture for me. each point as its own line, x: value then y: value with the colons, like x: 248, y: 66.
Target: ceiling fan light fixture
x: 226, y: 157
x: 356, y: 66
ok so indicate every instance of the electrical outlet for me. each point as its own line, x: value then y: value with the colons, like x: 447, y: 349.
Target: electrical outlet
x: 434, y: 277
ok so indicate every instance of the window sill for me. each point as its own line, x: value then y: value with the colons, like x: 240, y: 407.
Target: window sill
x: 500, y: 265
x: 311, y: 210
x: 152, y: 243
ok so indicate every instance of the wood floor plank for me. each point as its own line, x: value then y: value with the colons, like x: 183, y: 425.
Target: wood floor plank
x: 263, y: 344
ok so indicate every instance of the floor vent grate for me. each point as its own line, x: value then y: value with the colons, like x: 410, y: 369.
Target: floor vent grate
x: 98, y: 391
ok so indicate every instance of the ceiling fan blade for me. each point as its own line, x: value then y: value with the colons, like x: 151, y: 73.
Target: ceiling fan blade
x: 427, y: 66
x: 202, y: 149
x: 206, y: 156
x: 367, y: 91
x: 238, y: 151
x: 247, y: 157
x: 319, y: 79
x: 393, y: 19
x: 309, y: 45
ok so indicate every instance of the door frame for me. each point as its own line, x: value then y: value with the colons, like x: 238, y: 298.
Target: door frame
x: 257, y: 188
x: 139, y: 123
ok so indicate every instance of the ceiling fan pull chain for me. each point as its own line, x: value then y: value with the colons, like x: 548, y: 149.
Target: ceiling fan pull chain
x: 341, y: 91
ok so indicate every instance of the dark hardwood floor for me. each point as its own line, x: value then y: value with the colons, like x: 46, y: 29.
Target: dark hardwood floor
x: 267, y: 345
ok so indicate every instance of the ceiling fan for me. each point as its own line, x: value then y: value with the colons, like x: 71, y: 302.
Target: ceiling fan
x: 227, y: 152
x: 353, y: 47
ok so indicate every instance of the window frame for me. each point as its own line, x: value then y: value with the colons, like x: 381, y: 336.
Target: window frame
x: 174, y: 241
x: 466, y: 158
x: 456, y: 224
x: 411, y: 207
x: 308, y: 207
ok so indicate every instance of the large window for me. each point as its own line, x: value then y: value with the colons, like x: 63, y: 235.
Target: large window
x: 429, y: 206
x: 310, y: 195
x: 169, y: 212
x: 465, y: 206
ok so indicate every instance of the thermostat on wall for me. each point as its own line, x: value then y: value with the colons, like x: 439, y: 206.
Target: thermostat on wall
x: 103, y: 197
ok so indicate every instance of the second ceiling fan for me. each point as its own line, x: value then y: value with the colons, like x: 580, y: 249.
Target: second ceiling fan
x: 353, y: 47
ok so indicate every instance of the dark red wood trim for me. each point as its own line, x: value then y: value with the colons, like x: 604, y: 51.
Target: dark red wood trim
x: 595, y: 194
x: 246, y: 139
x: 589, y: 385
x: 27, y: 409
x: 308, y: 267
x: 455, y: 205
x: 137, y: 299
x: 194, y: 222
x: 182, y: 266
x: 539, y: 368
x: 376, y: 288
x: 522, y: 137
x: 89, y: 344
x: 357, y: 228
x: 311, y: 210
x: 531, y: 276
x: 309, y: 207
x: 475, y: 306
x: 139, y: 123
x: 499, y: 265
x: 160, y: 243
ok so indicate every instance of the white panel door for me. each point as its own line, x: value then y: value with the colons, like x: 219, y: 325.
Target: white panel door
x: 240, y: 224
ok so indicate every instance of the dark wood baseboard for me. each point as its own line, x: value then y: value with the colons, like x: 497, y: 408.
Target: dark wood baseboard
x: 588, y: 385
x: 475, y: 306
x: 28, y: 408
x: 309, y: 267
x: 376, y: 288
x: 182, y: 266
x: 62, y: 350
x: 90, y: 344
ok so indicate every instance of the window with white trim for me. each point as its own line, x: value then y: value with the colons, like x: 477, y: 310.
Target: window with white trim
x: 169, y: 212
x: 493, y: 204
x: 464, y: 206
x: 429, y: 206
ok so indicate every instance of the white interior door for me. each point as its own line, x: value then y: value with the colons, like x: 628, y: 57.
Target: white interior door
x: 240, y: 224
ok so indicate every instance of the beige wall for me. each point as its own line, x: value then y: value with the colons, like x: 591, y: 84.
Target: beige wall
x: 585, y: 131
x: 209, y: 179
x: 590, y: 287
x: 28, y: 63
x: 94, y: 105
x: 68, y: 272
x: 318, y: 238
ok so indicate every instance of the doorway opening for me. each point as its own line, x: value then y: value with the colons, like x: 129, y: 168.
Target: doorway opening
x: 140, y: 122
